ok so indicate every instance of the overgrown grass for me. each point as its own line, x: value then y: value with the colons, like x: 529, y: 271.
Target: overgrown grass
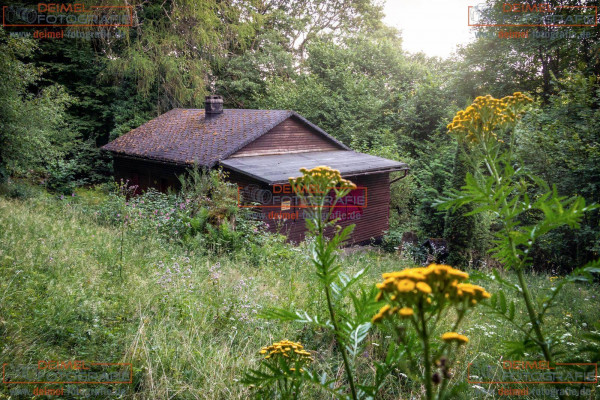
x: 186, y: 321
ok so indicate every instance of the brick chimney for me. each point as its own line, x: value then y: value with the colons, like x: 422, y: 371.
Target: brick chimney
x: 213, y: 105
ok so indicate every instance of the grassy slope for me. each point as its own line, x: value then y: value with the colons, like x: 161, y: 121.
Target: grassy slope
x: 61, y: 297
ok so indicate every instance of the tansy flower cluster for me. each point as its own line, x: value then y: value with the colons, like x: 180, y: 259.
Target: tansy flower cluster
x: 319, y: 180
x: 418, y: 287
x: 453, y: 337
x: 480, y: 121
x: 287, y: 349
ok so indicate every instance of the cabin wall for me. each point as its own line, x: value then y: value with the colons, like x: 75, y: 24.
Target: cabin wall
x: 147, y: 174
x: 290, y: 136
x: 372, y: 223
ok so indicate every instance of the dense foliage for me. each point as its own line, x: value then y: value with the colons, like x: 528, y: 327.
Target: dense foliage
x: 187, y: 287
x: 336, y: 63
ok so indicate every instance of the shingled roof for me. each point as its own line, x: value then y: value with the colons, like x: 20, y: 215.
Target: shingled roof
x: 187, y: 136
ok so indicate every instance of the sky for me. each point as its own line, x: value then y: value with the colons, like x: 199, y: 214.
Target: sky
x: 434, y: 27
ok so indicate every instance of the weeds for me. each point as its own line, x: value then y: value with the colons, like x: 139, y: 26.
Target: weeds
x: 514, y: 197
x: 420, y: 296
x: 59, y: 300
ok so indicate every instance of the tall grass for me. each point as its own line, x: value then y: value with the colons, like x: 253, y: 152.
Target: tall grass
x: 189, y: 334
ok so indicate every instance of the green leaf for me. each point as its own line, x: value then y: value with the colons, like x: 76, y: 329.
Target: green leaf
x: 511, y: 311
x: 356, y: 337
x: 502, y: 303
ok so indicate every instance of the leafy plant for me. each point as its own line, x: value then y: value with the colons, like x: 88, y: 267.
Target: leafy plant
x: 502, y: 188
x: 349, y: 330
x: 61, y: 176
x: 423, y: 297
x: 282, y: 365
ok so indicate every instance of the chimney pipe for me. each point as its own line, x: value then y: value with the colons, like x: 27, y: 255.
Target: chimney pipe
x: 213, y: 105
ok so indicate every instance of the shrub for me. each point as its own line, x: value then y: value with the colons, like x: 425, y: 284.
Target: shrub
x: 392, y: 240
x: 17, y: 189
x: 502, y: 188
x: 4, y: 175
x: 203, y: 215
x: 61, y: 177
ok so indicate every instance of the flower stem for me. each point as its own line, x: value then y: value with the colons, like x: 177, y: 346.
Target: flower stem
x: 321, y: 232
x: 533, y: 316
x: 341, y: 345
x: 426, y: 355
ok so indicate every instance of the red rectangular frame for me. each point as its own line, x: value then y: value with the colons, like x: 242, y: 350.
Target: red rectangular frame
x: 533, y: 25
x: 548, y: 383
x: 81, y: 383
x: 76, y: 25
x: 306, y: 206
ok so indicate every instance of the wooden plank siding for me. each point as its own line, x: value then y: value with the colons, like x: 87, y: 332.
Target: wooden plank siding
x: 372, y: 223
x: 147, y: 174
x: 290, y: 136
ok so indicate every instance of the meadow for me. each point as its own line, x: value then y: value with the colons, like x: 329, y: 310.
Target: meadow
x: 189, y: 321
x: 501, y: 138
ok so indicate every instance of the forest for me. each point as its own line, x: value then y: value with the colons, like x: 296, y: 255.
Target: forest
x: 160, y: 282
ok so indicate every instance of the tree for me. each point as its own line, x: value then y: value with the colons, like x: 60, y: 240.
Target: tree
x: 560, y: 143
x: 32, y: 129
x: 498, y: 65
x: 459, y: 229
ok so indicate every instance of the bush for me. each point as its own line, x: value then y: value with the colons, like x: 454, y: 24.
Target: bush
x: 203, y: 216
x: 18, y: 190
x: 392, y: 240
x: 4, y: 175
x: 61, y: 177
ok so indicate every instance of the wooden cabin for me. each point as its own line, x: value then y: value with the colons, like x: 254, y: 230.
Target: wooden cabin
x: 260, y: 149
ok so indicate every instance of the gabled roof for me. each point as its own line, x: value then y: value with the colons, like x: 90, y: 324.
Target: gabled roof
x: 187, y: 136
x: 273, y: 169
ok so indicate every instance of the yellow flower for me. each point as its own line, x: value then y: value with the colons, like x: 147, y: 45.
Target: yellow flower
x: 487, y: 114
x: 472, y: 291
x: 384, y: 311
x: 287, y: 349
x: 405, y: 286
x: 434, y: 284
x: 423, y: 287
x: 450, y: 337
x: 406, y: 312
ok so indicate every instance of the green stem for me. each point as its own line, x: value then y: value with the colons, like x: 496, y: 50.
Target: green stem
x: 320, y: 227
x: 443, y: 387
x: 340, y: 345
x: 525, y: 293
x: 533, y: 316
x: 426, y: 351
x: 402, y: 338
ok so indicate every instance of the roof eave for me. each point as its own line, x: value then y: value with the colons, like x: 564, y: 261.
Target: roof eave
x: 402, y: 167
x: 157, y: 160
